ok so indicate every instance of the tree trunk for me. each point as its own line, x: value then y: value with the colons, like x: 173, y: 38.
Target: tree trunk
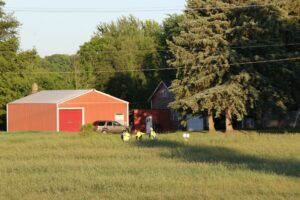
x: 228, y: 120
x: 211, y: 124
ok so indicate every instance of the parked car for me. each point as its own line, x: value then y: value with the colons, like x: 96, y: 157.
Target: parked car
x: 106, y: 126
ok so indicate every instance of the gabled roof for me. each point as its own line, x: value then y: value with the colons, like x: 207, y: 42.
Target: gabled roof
x: 160, y: 83
x: 52, y: 96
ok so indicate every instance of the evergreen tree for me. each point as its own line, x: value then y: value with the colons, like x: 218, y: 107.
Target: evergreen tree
x: 275, y: 23
x: 204, y: 79
x: 171, y: 29
x: 208, y: 80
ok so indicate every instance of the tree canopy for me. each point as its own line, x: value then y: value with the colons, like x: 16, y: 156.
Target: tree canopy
x: 14, y: 65
x: 218, y: 37
x: 127, y: 44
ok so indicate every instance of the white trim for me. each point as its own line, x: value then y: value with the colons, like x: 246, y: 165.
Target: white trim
x: 57, y: 118
x: 6, y: 117
x: 110, y: 96
x: 74, y: 97
x: 161, y: 82
x: 73, y: 108
x: 93, y: 90
x: 128, y: 115
x: 91, y: 102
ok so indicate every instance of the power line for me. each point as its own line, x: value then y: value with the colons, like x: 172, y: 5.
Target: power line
x: 148, y: 70
x: 167, y: 50
x: 266, y: 61
x: 262, y: 46
x: 105, y: 10
x: 94, y: 8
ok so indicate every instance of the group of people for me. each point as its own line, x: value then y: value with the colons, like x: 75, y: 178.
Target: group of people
x: 139, y: 135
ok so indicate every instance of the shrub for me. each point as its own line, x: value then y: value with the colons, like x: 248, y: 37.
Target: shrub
x: 87, y: 129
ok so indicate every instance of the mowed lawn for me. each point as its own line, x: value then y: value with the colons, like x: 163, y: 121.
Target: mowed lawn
x: 96, y: 166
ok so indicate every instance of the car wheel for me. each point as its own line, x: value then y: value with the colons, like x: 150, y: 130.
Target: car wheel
x: 104, y: 131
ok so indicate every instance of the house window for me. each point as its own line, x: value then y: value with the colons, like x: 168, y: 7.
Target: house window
x: 164, y: 93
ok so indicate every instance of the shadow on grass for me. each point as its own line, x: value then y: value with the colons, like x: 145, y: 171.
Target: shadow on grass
x: 279, y: 131
x: 229, y: 157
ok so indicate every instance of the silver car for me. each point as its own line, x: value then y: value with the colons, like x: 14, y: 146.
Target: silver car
x: 110, y: 127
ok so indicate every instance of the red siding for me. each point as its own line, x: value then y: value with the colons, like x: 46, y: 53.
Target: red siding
x: 97, y: 106
x: 161, y: 119
x: 31, y: 117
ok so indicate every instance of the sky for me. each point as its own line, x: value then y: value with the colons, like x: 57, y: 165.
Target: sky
x: 51, y: 32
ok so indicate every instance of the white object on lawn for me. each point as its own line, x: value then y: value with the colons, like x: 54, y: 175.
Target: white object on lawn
x: 186, y: 136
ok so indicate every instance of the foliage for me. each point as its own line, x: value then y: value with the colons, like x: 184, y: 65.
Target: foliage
x: 68, y: 166
x: 87, y: 129
x: 57, y: 72
x: 171, y: 28
x: 205, y: 53
x: 15, y: 66
x: 202, y: 44
x: 127, y: 44
x: 277, y: 23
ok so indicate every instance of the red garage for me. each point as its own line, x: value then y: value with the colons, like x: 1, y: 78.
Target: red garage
x: 64, y: 110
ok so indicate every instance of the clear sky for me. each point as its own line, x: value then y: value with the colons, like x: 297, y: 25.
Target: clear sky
x: 63, y: 32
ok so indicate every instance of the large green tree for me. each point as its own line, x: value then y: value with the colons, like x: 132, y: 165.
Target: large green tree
x: 171, y: 28
x: 15, y: 67
x: 206, y: 53
x: 128, y: 45
x: 202, y: 55
x: 269, y: 32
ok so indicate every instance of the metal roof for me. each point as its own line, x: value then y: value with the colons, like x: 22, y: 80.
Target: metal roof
x: 52, y: 96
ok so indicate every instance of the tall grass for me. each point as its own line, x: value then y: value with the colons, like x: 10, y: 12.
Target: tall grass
x: 96, y: 166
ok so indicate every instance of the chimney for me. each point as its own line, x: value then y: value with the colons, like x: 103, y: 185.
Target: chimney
x: 34, y: 88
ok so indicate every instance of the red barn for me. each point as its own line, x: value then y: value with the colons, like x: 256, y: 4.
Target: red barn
x: 64, y: 110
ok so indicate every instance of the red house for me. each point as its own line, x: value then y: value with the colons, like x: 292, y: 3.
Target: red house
x: 64, y: 110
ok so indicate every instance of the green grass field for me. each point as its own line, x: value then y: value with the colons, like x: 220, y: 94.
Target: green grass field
x: 73, y: 166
